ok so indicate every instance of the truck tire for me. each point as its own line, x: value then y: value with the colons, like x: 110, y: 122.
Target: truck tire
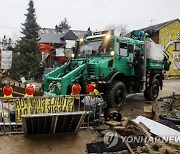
x: 171, y: 118
x: 152, y: 92
x: 115, y: 95
x: 146, y: 95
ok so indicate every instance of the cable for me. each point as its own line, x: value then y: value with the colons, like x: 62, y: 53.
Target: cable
x: 15, y: 30
x: 8, y: 27
x: 130, y: 19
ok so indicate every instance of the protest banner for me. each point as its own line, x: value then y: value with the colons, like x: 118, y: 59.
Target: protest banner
x: 38, y: 105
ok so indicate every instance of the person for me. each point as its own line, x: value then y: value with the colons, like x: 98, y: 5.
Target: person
x: 41, y: 69
x: 89, y: 33
x: 138, y: 64
x: 4, y: 42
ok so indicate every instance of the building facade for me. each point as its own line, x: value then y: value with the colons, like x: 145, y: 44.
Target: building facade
x: 168, y: 37
x: 167, y: 34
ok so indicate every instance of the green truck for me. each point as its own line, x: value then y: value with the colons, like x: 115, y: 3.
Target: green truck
x: 101, y: 61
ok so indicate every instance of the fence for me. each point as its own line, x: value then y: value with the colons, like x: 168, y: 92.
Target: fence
x: 13, y: 109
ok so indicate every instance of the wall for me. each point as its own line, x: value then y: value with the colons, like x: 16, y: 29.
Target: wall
x: 167, y: 36
x: 155, y: 38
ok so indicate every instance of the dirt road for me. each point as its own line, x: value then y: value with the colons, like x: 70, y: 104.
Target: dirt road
x: 76, y: 144
x: 135, y: 103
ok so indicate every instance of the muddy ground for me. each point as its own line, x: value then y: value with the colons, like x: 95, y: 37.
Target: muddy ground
x: 76, y: 144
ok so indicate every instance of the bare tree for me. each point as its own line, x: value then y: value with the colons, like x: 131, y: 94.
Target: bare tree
x: 118, y: 29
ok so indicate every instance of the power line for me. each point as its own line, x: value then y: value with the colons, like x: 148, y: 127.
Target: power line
x: 115, y: 5
x: 8, y: 26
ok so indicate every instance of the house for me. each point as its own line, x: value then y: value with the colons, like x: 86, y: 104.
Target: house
x: 53, y: 40
x: 167, y: 34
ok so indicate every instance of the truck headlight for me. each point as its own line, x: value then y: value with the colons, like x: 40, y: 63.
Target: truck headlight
x: 72, y: 55
x: 107, y: 36
x: 112, y: 53
x: 81, y: 40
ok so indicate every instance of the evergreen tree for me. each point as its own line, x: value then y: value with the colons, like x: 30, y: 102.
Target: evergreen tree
x: 26, y: 62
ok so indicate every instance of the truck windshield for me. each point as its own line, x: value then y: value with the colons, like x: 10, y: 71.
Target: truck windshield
x: 95, y: 47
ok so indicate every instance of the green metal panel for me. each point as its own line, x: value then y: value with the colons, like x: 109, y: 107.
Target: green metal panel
x: 154, y: 64
x: 64, y: 75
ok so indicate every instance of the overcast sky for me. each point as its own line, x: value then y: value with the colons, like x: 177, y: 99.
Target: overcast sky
x: 82, y: 14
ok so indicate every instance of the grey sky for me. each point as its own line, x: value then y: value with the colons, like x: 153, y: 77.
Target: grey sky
x: 82, y: 14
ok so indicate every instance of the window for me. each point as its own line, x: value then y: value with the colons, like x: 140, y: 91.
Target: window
x: 177, y: 46
x: 123, y: 50
x: 96, y: 48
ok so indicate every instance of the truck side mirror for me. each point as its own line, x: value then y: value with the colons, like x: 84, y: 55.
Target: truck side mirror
x: 130, y: 48
x: 73, y: 49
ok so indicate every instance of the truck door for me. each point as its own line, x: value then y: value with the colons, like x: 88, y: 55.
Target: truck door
x: 125, y: 54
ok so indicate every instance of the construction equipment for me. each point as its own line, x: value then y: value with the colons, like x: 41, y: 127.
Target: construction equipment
x: 100, y: 64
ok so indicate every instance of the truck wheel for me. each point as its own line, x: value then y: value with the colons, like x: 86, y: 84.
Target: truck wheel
x: 115, y: 95
x: 146, y: 95
x: 152, y: 93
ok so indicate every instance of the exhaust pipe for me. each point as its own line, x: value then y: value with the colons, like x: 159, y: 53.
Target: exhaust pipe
x: 145, y: 50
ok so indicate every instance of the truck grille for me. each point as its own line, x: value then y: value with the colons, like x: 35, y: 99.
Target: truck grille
x: 91, y: 69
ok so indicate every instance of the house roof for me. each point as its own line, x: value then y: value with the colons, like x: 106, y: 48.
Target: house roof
x: 155, y: 28
x: 49, y: 35
x: 79, y: 33
x: 159, y: 26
